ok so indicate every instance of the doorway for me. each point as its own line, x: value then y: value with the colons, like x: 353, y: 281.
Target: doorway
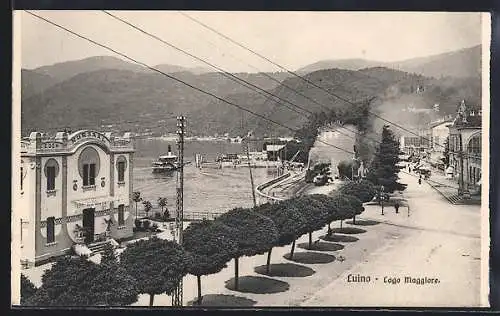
x: 88, y: 224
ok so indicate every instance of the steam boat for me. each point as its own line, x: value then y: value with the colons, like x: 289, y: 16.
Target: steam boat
x: 166, y: 163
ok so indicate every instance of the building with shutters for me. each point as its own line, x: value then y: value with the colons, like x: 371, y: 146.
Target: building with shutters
x: 76, y: 188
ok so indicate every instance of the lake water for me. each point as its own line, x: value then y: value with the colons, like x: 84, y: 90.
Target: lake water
x: 212, y: 190
x: 217, y: 190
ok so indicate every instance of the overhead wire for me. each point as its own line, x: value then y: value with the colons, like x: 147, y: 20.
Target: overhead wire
x: 168, y: 75
x: 173, y: 78
x: 223, y: 72
x: 291, y: 72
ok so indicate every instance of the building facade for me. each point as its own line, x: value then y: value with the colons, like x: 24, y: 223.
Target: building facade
x: 465, y: 148
x: 438, y: 133
x: 75, y: 189
x: 414, y: 145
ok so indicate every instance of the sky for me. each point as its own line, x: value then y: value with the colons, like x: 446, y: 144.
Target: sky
x: 291, y: 39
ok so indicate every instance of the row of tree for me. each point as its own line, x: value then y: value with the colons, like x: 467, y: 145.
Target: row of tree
x: 156, y: 266
x: 148, y: 206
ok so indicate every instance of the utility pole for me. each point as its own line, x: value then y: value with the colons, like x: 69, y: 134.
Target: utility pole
x: 179, y: 218
x: 250, y: 170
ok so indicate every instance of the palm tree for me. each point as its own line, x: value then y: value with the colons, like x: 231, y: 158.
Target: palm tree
x: 136, y: 197
x: 162, y: 202
x: 147, y: 207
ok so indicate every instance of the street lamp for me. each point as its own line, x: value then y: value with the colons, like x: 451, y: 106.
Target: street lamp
x: 382, y: 198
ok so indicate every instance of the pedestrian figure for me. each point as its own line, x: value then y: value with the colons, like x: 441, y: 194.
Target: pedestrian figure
x: 420, y: 180
x: 396, y: 206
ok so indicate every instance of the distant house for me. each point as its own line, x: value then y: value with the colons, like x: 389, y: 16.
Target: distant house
x: 438, y: 132
x: 273, y: 151
x: 414, y: 145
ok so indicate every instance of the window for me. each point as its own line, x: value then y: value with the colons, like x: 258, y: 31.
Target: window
x: 51, y: 178
x: 121, y: 171
x: 51, y: 170
x: 89, y: 165
x: 89, y: 174
x: 50, y: 230
x: 121, y: 215
x: 474, y: 147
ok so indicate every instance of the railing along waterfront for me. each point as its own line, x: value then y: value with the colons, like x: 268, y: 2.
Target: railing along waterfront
x: 260, y: 189
x: 188, y: 216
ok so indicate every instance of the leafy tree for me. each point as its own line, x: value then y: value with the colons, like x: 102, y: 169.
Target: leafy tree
x: 348, y: 168
x: 112, y: 285
x: 136, y: 197
x: 356, y: 206
x: 158, y: 265
x: 28, y: 289
x: 364, y: 190
x: 345, y: 206
x: 253, y: 233
x: 210, y: 247
x: 288, y: 220
x: 147, y: 207
x: 314, y: 212
x: 80, y: 282
x: 330, y: 206
x: 384, y: 169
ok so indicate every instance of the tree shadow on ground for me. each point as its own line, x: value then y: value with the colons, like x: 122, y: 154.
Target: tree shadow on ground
x: 285, y: 270
x: 258, y: 285
x: 310, y: 257
x: 348, y: 230
x: 338, y: 238
x: 363, y: 222
x: 321, y: 246
x: 222, y: 300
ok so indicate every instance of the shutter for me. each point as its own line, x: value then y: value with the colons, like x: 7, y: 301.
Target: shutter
x: 85, y: 174
x: 92, y: 174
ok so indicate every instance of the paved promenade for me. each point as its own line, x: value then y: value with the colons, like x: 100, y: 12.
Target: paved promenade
x: 443, y: 242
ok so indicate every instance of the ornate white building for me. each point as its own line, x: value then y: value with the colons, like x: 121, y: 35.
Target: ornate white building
x: 75, y: 188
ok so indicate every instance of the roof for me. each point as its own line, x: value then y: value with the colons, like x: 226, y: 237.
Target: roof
x: 274, y: 147
x: 468, y: 116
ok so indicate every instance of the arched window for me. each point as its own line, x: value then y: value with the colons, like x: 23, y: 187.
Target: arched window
x: 51, y: 171
x: 474, y: 146
x: 89, y: 165
x: 121, y: 165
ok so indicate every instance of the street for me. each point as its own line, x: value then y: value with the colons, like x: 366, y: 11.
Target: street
x: 442, y: 242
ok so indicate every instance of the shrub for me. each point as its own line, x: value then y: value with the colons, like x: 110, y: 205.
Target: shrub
x: 146, y: 224
x: 137, y: 224
x: 28, y: 289
x: 157, y: 215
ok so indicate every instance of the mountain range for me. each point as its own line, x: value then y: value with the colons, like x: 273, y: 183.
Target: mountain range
x: 107, y: 91
x: 462, y: 63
